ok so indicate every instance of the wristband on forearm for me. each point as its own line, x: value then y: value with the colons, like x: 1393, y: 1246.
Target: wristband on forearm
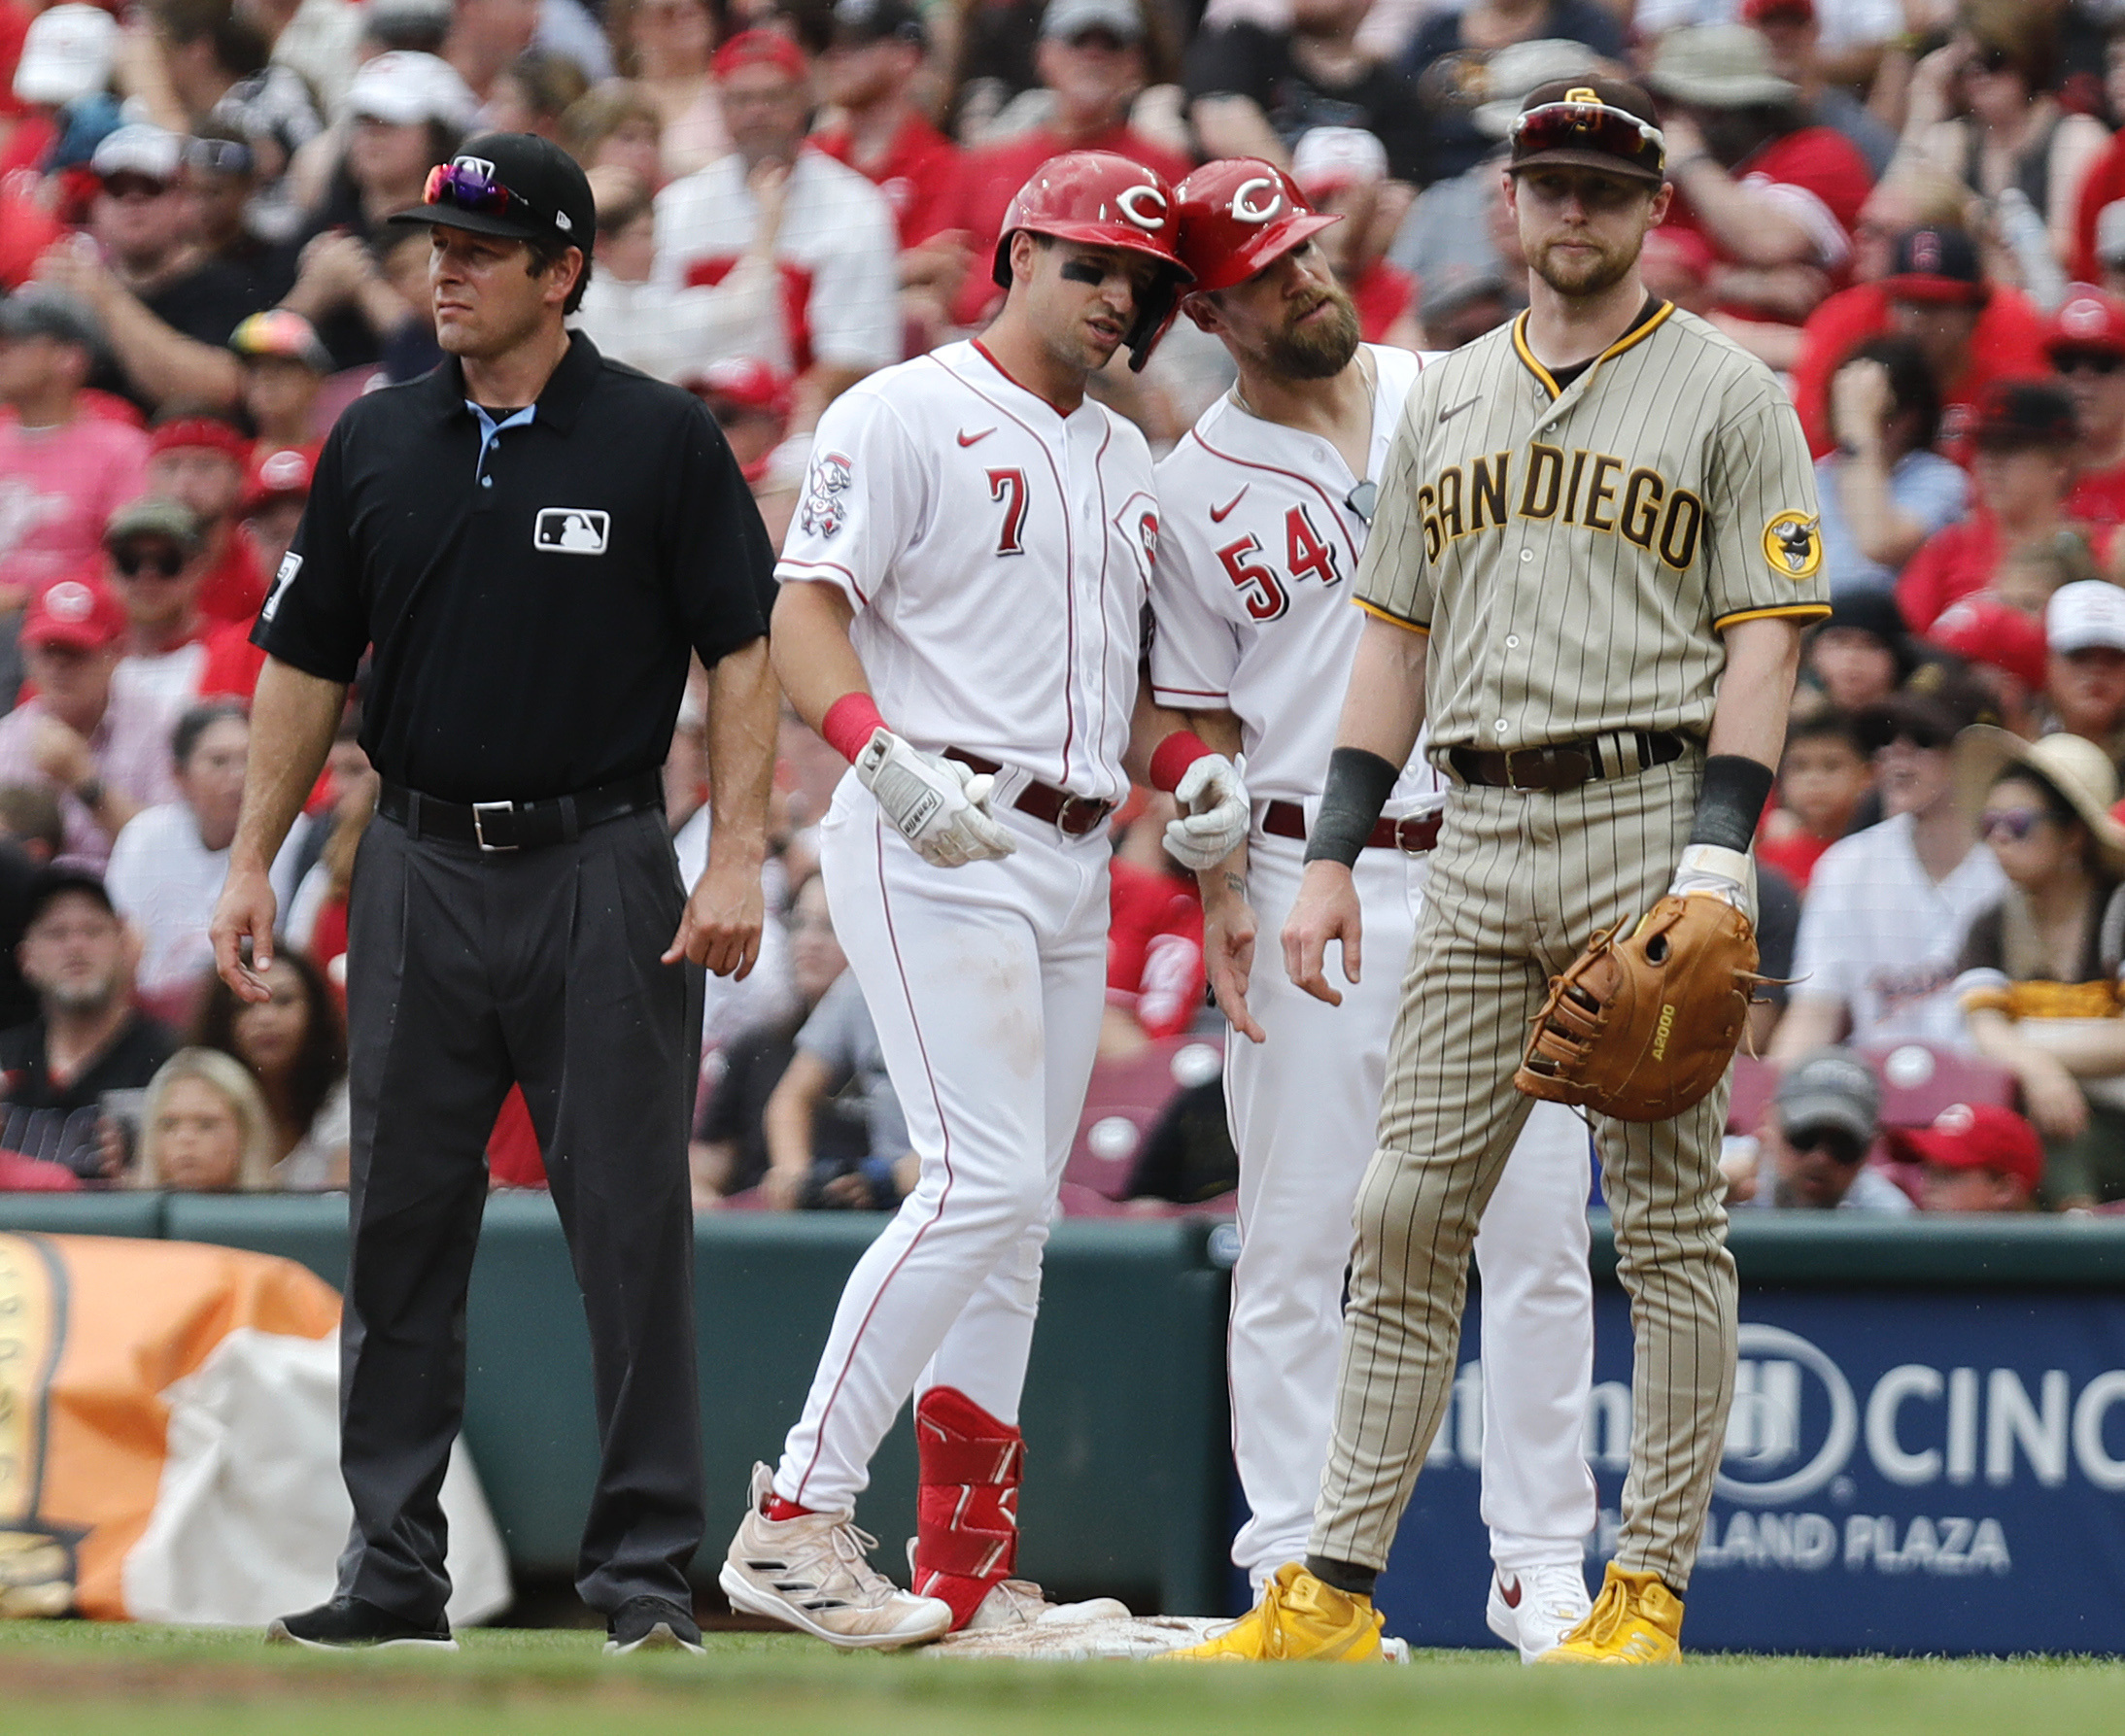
x: 849, y: 724
x: 1731, y: 801
x: 1359, y: 783
x: 1173, y: 757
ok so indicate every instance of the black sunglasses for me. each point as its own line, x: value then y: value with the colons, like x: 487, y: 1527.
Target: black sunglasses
x: 1838, y: 1146
x: 164, y: 564
x: 2087, y: 361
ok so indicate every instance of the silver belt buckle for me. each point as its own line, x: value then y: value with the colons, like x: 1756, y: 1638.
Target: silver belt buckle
x: 480, y: 812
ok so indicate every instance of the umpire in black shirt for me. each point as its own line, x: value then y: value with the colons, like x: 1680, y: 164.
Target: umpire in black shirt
x: 532, y: 538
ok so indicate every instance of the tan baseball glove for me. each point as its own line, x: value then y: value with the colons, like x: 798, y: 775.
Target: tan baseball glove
x: 1641, y: 1028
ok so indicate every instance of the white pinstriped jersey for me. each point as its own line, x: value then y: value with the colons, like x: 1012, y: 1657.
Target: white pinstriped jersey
x: 1575, y: 553
x: 998, y: 555
x: 1251, y: 599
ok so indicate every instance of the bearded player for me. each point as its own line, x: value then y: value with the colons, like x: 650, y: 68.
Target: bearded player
x: 961, y: 617
x: 1265, y: 508
x: 1594, y: 550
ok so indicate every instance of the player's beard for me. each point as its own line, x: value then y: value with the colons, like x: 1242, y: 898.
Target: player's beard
x: 1319, y: 350
x: 1582, y: 275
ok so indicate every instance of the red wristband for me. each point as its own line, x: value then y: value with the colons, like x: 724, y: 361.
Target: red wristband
x: 1172, y: 757
x: 849, y: 724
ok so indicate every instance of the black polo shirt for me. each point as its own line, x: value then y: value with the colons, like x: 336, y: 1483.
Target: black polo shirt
x: 531, y: 611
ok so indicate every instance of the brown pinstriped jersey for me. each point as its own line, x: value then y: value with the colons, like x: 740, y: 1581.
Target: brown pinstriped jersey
x: 1574, y: 555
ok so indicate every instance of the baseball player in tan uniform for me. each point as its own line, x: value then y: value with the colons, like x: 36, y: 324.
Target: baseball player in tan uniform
x: 1594, y: 550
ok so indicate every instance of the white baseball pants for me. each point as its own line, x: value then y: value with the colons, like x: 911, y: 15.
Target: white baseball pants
x: 1305, y: 1109
x: 985, y: 983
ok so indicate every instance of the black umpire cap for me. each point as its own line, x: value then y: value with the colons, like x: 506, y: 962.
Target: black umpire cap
x: 1593, y: 123
x: 515, y: 186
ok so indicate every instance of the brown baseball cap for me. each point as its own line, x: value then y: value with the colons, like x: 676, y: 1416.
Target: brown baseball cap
x: 1591, y: 123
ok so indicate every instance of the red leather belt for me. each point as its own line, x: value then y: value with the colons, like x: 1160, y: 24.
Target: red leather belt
x: 1411, y: 836
x: 1071, y: 815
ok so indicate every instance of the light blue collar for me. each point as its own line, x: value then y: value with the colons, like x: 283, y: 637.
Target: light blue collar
x: 491, y: 429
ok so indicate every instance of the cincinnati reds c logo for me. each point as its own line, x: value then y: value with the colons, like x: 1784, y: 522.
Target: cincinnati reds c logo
x: 1129, y: 200
x: 1247, y: 208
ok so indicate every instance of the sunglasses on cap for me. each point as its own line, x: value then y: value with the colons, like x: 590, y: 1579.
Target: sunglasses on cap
x: 1586, y: 127
x: 2087, y: 361
x: 162, y: 563
x: 1833, y: 1142
x: 219, y: 156
x: 1918, y: 735
x: 127, y: 185
x: 464, y: 188
x: 2014, y: 824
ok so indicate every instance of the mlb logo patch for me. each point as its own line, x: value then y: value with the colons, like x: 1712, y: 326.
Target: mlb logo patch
x: 571, y: 530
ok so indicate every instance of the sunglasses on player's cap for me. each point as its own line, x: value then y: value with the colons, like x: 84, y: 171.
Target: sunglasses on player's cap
x: 516, y: 186
x: 1592, y: 123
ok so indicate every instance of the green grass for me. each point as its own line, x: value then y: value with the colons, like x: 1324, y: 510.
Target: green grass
x: 81, y: 1679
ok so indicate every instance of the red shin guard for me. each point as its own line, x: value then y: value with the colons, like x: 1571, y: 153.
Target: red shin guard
x: 967, y: 1508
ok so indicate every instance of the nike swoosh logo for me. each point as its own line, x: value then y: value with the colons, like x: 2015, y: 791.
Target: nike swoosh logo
x: 967, y: 440
x: 1449, y: 415
x: 1218, y: 514
x: 1508, y: 1590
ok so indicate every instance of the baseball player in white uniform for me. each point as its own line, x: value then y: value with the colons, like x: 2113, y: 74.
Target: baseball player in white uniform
x: 961, y: 615
x: 1265, y: 510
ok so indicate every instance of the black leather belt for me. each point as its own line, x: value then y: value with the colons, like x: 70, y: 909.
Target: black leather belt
x: 1566, y: 765
x: 1412, y: 836
x: 1072, y: 815
x: 503, y: 826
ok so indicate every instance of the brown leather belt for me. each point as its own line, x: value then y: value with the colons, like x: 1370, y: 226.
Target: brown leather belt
x: 1412, y: 836
x: 1564, y: 765
x: 1071, y: 815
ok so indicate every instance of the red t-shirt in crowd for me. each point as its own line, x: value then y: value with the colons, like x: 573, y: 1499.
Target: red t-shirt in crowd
x: 991, y: 179
x: 1818, y: 176
x: 1948, y: 566
x: 1382, y: 295
x: 25, y: 233
x: 1794, y: 856
x: 234, y: 587
x: 1154, y: 948
x: 2097, y: 498
x: 2009, y: 342
x: 919, y: 176
x: 2106, y: 183
x: 232, y: 662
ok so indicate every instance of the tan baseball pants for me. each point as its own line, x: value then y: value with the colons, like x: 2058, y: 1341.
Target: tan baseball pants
x: 1520, y: 883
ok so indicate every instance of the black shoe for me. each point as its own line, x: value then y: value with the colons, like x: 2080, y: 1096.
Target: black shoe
x: 652, y: 1624
x: 354, y: 1625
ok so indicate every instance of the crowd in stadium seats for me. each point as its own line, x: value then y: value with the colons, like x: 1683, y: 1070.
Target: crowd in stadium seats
x: 1913, y: 211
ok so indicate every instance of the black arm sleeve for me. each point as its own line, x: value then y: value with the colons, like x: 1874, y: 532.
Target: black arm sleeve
x: 1359, y: 783
x: 1731, y: 801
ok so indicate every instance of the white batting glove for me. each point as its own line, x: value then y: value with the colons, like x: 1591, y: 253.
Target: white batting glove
x: 1714, y: 871
x: 935, y: 802
x: 1213, y: 812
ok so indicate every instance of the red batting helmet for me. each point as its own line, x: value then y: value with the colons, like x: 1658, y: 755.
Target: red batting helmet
x: 1239, y: 215
x: 1102, y: 200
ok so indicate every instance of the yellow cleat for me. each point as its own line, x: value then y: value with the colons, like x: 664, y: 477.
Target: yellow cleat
x: 1299, y: 1618
x: 1635, y: 1620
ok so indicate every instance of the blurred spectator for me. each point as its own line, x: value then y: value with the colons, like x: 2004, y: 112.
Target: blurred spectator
x: 1446, y: 55
x: 1972, y: 332
x: 29, y: 821
x: 63, y: 471
x: 1883, y: 922
x: 1793, y: 44
x: 1775, y: 196
x: 67, y: 55
x: 751, y: 401
x: 200, y: 460
x: 167, y: 305
x: 2023, y: 471
x: 1342, y: 170
x: 271, y: 507
x: 730, y: 1152
x: 106, y: 756
x: 991, y: 65
x: 2109, y: 247
x: 533, y: 93
x: 1810, y: 1152
x: 837, y: 1056
x: 2005, y: 648
x: 1822, y: 774
x: 841, y: 317
x: 1884, y: 490
x: 295, y: 1048
x: 485, y: 36
x: 204, y: 1128
x: 662, y: 46
x: 1092, y: 59
x: 232, y: 215
x: 1978, y: 1157
x: 86, y: 1039
x: 317, y: 915
x: 154, y: 566
x: 1154, y: 939
x: 323, y: 41
x: 662, y: 330
x: 2038, y: 978
x: 284, y: 370
x: 1860, y: 654
x: 2014, y: 138
x: 616, y: 126
x: 1254, y: 91
x: 2084, y: 682
x: 168, y: 863
x: 218, y: 63
x: 2088, y: 350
